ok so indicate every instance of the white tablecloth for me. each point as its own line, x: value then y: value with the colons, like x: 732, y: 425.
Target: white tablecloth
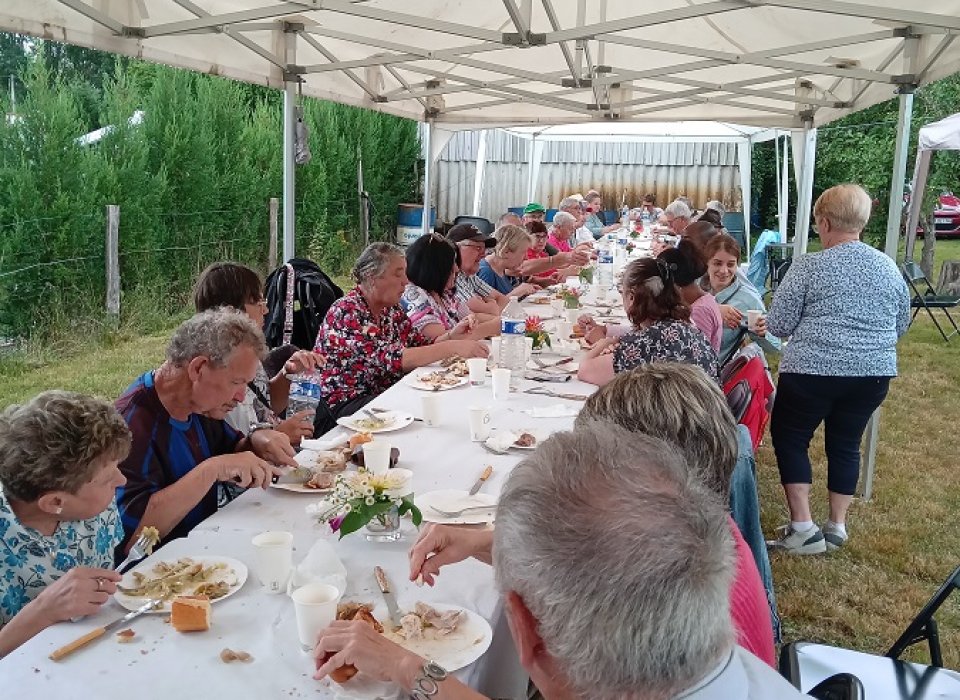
x: 163, y: 663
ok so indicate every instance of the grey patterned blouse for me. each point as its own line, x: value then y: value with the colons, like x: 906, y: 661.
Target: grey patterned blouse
x: 843, y: 309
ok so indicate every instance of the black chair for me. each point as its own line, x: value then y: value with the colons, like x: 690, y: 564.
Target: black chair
x: 843, y: 686
x: 734, y: 224
x: 807, y: 665
x: 928, y: 298
x: 485, y: 225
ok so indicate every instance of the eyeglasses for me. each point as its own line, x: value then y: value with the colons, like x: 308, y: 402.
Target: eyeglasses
x: 475, y: 246
x: 541, y: 235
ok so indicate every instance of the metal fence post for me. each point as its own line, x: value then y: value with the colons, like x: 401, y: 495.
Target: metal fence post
x: 113, y: 261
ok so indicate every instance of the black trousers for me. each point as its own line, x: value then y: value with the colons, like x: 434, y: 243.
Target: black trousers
x: 844, y: 406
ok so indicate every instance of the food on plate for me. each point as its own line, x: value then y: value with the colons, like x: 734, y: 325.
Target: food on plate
x: 525, y: 440
x: 190, y: 613
x: 151, y: 538
x: 539, y: 300
x: 229, y: 656
x: 359, y: 439
x: 439, y: 379
x: 182, y: 577
x: 456, y: 366
x: 577, y: 331
x: 352, y: 611
x: 125, y: 636
x: 426, y: 622
x: 320, y: 481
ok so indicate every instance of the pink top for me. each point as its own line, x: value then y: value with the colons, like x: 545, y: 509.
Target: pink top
x: 748, y: 604
x: 562, y: 246
x: 705, y: 315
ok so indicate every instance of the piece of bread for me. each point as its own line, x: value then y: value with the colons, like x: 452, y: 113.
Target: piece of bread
x: 190, y: 613
x: 359, y: 439
x: 350, y: 612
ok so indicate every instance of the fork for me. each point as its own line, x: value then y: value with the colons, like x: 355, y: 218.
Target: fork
x: 137, y: 552
x: 544, y: 365
x: 458, y: 513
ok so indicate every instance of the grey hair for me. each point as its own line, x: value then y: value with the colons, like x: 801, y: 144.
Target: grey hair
x: 678, y: 210
x: 677, y: 403
x: 717, y: 206
x: 563, y: 217
x: 623, y: 560
x: 510, y: 238
x: 373, y: 261
x: 56, y: 442
x: 214, y: 334
x: 568, y: 202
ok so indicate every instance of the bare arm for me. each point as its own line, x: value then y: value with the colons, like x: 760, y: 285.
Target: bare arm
x: 428, y: 354
x: 597, y: 367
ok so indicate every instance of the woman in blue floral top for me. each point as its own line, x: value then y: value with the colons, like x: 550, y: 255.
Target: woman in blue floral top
x: 58, y: 517
x: 661, y: 331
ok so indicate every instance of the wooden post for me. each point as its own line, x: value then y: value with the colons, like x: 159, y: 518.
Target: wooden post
x: 113, y: 261
x: 272, y: 251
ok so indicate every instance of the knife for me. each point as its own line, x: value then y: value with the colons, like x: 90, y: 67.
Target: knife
x: 483, y: 477
x: 388, y: 596
x: 100, y: 631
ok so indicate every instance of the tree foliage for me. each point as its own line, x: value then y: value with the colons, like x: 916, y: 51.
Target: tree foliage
x: 192, y: 180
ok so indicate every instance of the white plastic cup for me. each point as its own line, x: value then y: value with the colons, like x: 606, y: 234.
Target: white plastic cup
x: 572, y: 315
x: 478, y: 370
x: 501, y: 384
x: 558, y: 306
x: 565, y: 330
x: 274, y: 559
x: 430, y: 409
x: 527, y: 349
x: 479, y: 423
x: 572, y: 282
x: 316, y: 607
x: 495, y: 350
x: 376, y: 456
x: 753, y: 317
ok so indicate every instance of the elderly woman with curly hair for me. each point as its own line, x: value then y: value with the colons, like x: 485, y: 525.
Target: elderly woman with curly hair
x: 58, y: 517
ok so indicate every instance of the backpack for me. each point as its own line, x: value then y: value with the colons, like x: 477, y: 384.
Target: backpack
x: 298, y: 296
x: 749, y: 391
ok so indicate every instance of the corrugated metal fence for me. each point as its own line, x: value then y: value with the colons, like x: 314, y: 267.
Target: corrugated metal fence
x: 701, y: 171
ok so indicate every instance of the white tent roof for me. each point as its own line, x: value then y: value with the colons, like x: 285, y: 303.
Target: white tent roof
x: 943, y: 135
x: 647, y: 132
x: 467, y: 63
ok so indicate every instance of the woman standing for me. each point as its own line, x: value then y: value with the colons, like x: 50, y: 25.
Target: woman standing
x: 843, y: 309
x: 735, y: 297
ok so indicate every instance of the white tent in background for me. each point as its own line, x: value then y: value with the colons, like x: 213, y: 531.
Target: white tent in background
x: 943, y: 135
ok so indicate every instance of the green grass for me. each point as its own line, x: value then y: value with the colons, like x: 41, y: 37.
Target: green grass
x: 903, y: 543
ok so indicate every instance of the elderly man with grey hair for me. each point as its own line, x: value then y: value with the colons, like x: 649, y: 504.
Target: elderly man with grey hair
x: 677, y: 216
x: 182, y: 446
x: 615, y: 564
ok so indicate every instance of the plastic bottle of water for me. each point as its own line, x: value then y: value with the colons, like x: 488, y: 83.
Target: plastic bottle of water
x: 304, y: 392
x: 624, y: 217
x: 513, y: 339
x: 605, y: 266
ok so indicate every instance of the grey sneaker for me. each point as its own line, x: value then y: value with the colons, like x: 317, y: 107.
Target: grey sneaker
x: 835, y: 539
x: 792, y: 542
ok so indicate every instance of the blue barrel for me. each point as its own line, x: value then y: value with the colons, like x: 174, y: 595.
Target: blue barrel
x: 516, y: 210
x: 411, y: 215
x: 550, y: 214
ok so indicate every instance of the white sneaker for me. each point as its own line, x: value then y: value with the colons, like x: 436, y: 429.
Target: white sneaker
x: 809, y: 541
x: 835, y: 538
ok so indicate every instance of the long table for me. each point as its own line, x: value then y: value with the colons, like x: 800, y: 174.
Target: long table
x: 163, y: 663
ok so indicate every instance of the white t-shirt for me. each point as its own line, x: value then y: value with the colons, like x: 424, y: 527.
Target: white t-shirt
x: 742, y: 676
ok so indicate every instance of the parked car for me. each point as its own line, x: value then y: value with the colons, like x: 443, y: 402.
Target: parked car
x: 946, y: 217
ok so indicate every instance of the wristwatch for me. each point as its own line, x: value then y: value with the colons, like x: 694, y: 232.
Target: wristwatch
x: 427, y: 683
x: 254, y: 427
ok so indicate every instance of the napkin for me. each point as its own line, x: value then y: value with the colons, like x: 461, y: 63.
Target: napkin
x: 321, y: 565
x: 328, y: 444
x: 500, y: 441
x: 556, y: 410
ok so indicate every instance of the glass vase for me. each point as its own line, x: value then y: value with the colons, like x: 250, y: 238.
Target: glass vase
x: 384, y: 527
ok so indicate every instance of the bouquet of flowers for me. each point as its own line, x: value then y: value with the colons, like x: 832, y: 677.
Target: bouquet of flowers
x: 631, y: 246
x: 360, y: 497
x: 571, y: 297
x: 535, y: 330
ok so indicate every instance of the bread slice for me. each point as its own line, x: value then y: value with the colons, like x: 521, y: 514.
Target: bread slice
x: 190, y: 613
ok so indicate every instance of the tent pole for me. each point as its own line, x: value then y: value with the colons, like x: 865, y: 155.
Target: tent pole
x: 920, y: 171
x: 805, y: 188
x: 427, y: 174
x: 536, y: 149
x: 745, y: 158
x: 784, y: 198
x: 897, y: 179
x: 478, y: 177
x: 289, y: 165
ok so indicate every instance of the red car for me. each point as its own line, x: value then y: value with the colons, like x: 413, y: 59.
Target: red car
x: 946, y: 217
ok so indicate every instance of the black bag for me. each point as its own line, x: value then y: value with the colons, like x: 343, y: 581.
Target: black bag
x: 294, y: 313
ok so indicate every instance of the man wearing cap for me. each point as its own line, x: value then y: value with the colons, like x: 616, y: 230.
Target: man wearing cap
x: 534, y: 212
x: 472, y: 245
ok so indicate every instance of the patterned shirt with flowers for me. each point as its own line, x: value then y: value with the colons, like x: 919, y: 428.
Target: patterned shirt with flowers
x: 666, y: 340
x: 364, y: 354
x: 32, y: 561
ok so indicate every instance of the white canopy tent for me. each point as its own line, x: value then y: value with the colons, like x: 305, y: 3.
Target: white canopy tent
x: 943, y: 135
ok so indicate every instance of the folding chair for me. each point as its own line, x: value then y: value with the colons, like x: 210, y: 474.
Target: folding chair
x: 928, y: 299
x: 806, y: 664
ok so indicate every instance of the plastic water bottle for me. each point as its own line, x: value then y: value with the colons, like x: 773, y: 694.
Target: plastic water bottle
x: 605, y: 266
x: 513, y: 338
x: 624, y: 217
x: 304, y: 392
